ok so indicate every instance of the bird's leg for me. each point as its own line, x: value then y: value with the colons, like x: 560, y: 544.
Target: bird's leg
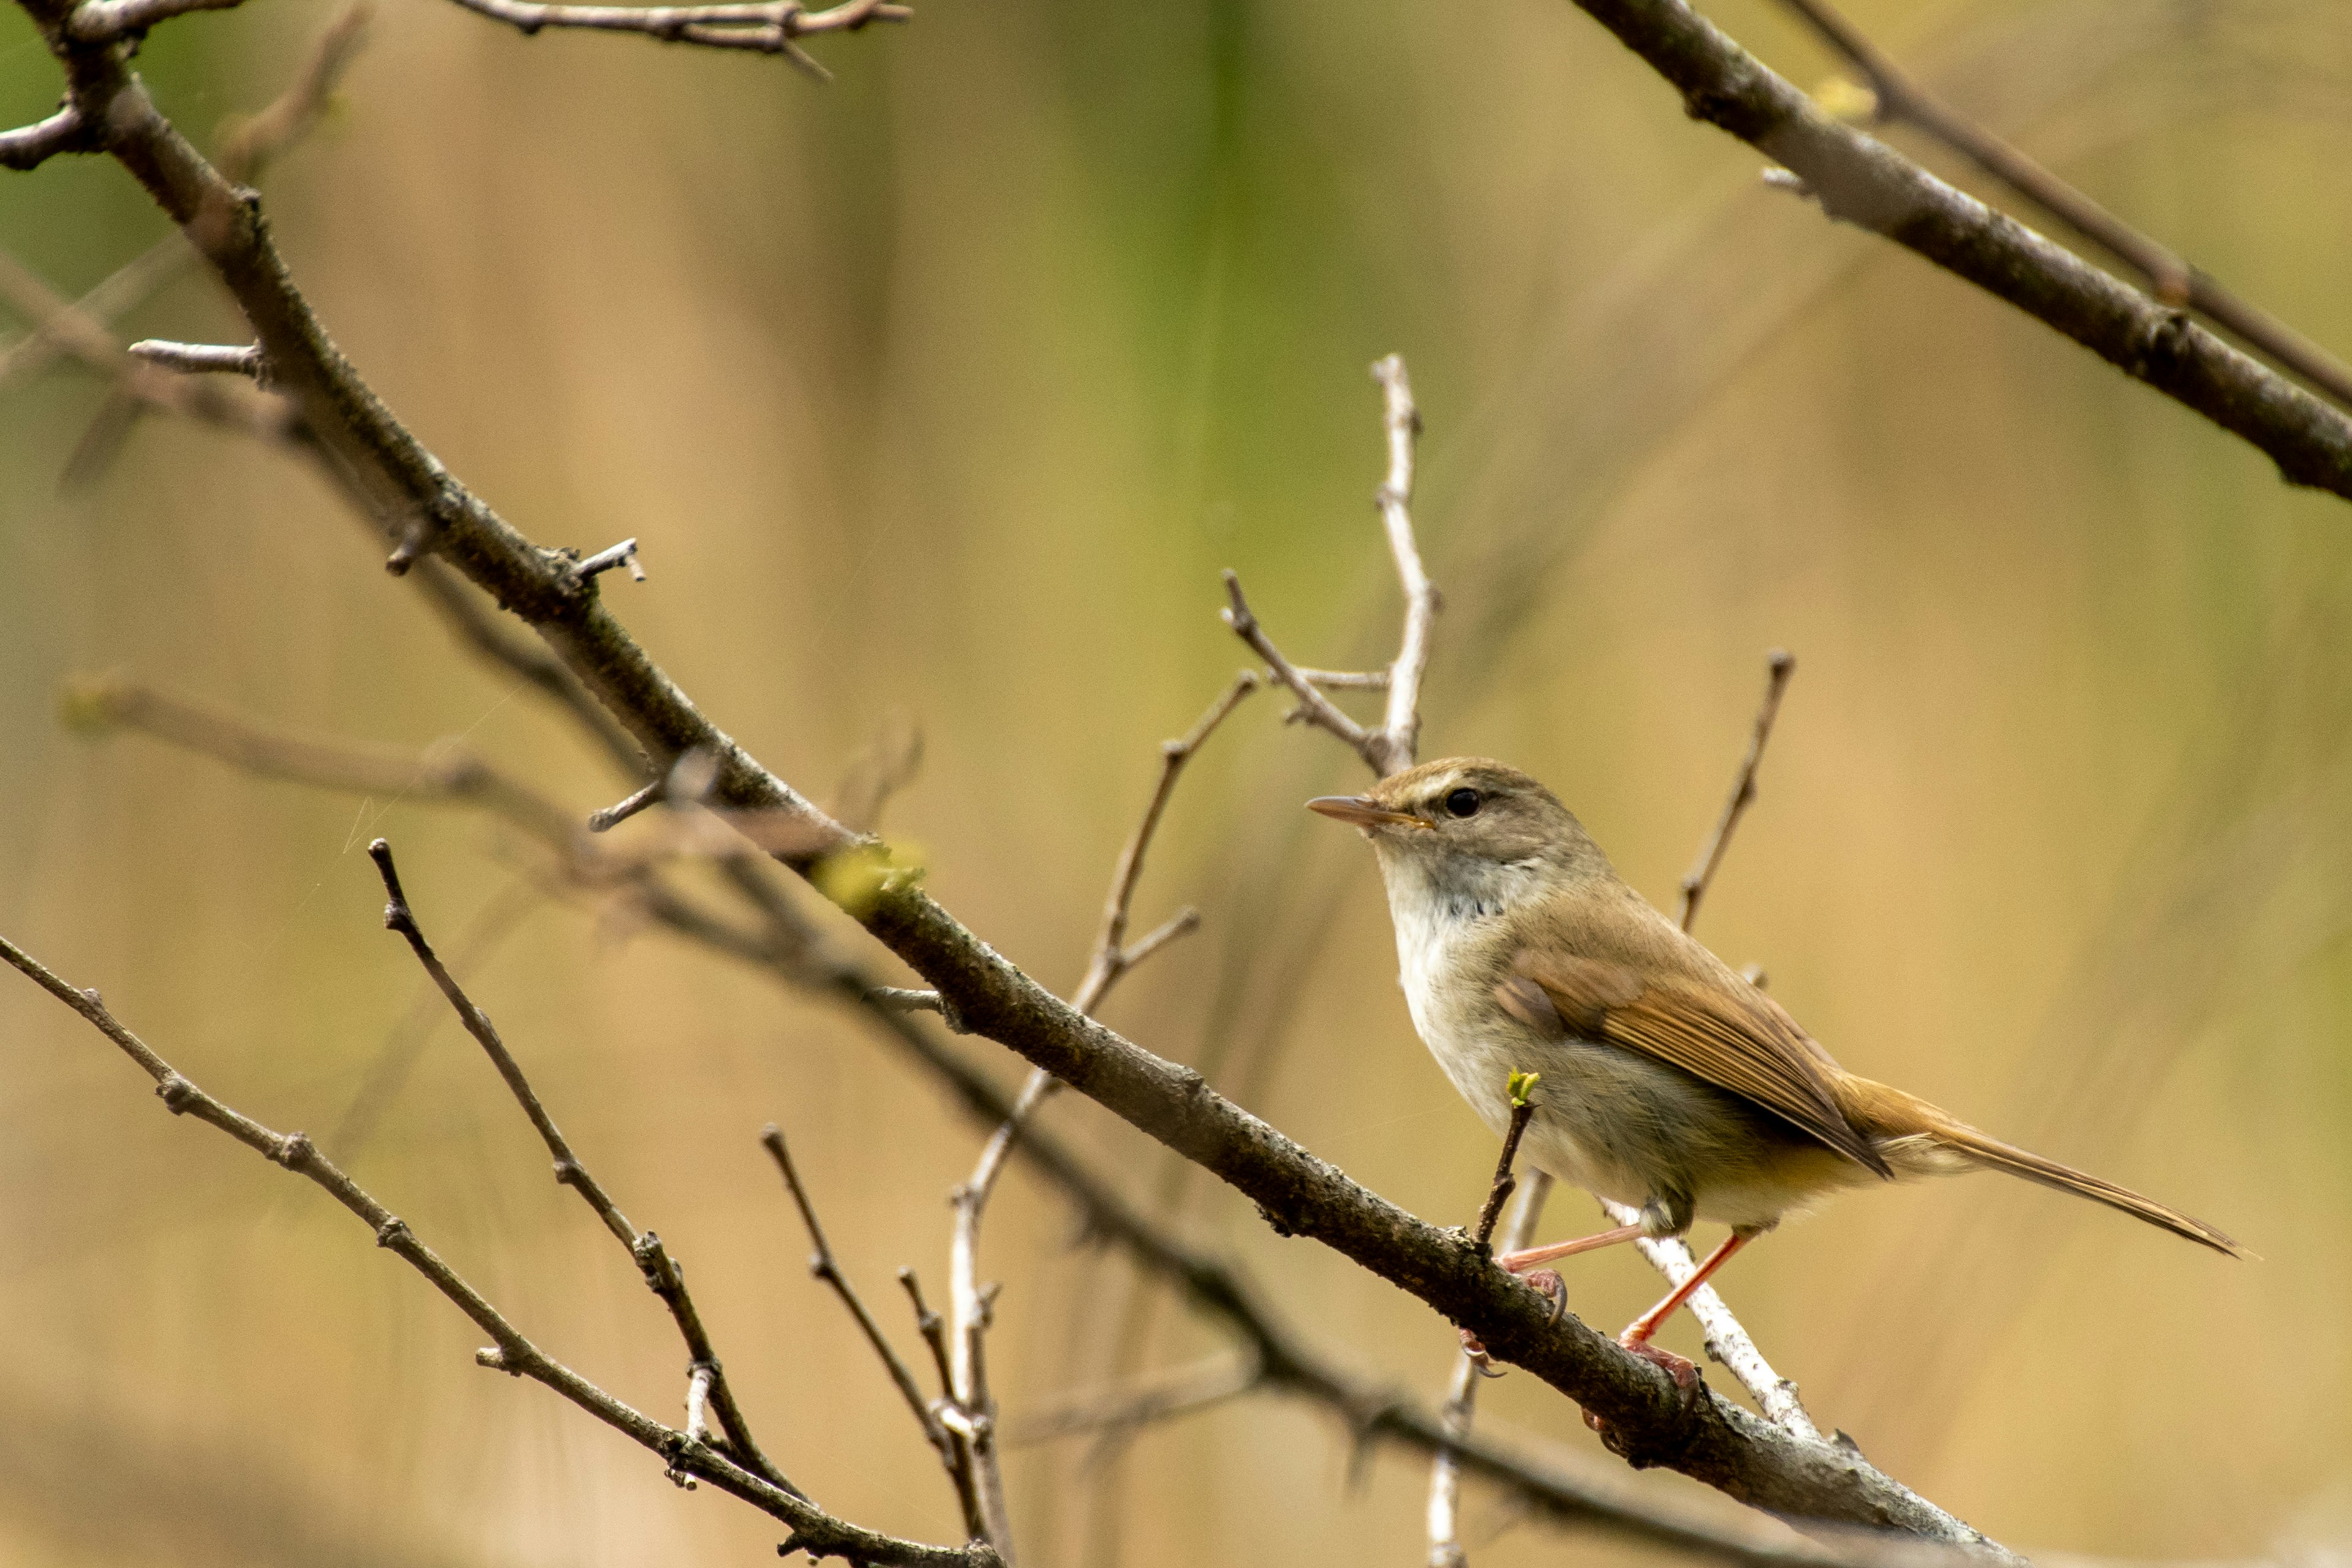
x: 1636, y: 1337
x: 1521, y: 1261
x: 1553, y: 1286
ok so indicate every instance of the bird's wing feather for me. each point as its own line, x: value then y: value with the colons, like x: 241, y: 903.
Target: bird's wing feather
x: 1752, y: 1049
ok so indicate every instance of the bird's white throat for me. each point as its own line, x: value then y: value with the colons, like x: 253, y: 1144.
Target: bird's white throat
x: 1436, y: 902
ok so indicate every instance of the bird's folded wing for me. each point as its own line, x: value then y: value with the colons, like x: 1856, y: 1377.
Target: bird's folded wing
x: 1752, y: 1048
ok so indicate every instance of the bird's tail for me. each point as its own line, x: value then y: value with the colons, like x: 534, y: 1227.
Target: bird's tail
x: 1993, y: 1154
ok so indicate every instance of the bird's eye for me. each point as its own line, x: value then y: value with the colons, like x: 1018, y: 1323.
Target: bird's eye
x: 1464, y: 803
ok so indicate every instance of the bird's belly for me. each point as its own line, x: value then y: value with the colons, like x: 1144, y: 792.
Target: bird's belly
x: 1630, y: 1130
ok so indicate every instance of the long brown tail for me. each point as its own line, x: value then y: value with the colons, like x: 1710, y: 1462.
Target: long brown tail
x: 1993, y: 1155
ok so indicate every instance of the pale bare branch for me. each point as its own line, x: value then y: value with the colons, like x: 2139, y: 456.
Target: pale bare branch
x: 768, y: 28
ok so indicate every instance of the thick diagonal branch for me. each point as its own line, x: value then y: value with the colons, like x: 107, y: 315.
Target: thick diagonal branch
x: 2176, y: 282
x: 1860, y: 180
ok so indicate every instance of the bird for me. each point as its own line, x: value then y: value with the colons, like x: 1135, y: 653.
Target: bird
x: 1666, y: 1080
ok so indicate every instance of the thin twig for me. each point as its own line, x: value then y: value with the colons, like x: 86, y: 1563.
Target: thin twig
x: 104, y: 21
x: 1778, y: 666
x: 661, y: 1271
x: 30, y: 146
x: 933, y: 1330
x: 1400, y: 732
x: 1899, y: 97
x: 823, y: 1266
x: 1391, y: 746
x: 1149, y: 1401
x: 971, y: 1407
x: 198, y: 358
x: 1523, y: 1109
x: 769, y: 28
x: 510, y: 1350
x: 1444, y: 1510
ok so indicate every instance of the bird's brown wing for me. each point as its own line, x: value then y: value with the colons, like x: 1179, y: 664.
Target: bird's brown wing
x: 1749, y: 1046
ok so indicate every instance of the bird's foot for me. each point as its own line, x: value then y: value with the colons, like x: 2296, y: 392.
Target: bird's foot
x: 1683, y: 1371
x: 1480, y: 1362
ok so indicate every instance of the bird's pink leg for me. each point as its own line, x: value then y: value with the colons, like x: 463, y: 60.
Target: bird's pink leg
x: 1636, y: 1337
x: 1521, y: 1261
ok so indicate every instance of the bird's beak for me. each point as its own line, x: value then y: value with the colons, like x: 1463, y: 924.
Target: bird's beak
x: 1363, y: 813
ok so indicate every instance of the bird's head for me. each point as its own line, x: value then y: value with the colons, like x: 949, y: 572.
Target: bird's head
x: 1469, y: 826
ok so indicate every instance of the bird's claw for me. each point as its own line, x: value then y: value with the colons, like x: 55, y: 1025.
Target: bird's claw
x: 1553, y: 1289
x: 1480, y: 1362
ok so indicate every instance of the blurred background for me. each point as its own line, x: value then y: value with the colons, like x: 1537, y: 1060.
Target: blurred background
x: 944, y: 391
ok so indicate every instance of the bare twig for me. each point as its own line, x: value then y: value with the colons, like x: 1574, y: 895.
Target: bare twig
x: 621, y: 555
x: 1115, y: 1413
x: 1778, y: 666
x: 1391, y: 747
x: 1349, y: 679
x: 661, y: 1271
x: 140, y: 385
x: 249, y: 144
x: 30, y: 146
x: 1899, y: 97
x: 1444, y: 1510
x: 1111, y: 958
x: 198, y: 358
x: 510, y: 1350
x: 636, y: 800
x: 1523, y: 1109
x: 969, y: 1410
x: 823, y: 1266
x: 1400, y: 732
x: 104, y: 21
x: 769, y: 28
x: 885, y: 765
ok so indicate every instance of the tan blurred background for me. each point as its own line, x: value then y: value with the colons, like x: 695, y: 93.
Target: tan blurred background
x: 947, y: 388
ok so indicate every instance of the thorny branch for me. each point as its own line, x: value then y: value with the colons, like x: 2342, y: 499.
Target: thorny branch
x: 661, y: 1271
x: 1390, y: 748
x: 1898, y: 97
x: 510, y: 1352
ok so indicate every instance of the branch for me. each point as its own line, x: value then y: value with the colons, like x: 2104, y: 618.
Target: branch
x: 106, y: 21
x: 30, y: 146
x: 822, y: 1266
x: 661, y: 1271
x: 1112, y: 1415
x: 1401, y: 725
x: 1778, y: 666
x: 510, y: 1352
x: 2173, y: 280
x: 1444, y: 1510
x: 1862, y: 181
x: 769, y: 28
x: 1390, y: 748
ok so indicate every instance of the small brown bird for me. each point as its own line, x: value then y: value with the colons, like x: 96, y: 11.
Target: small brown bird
x: 1669, y: 1083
